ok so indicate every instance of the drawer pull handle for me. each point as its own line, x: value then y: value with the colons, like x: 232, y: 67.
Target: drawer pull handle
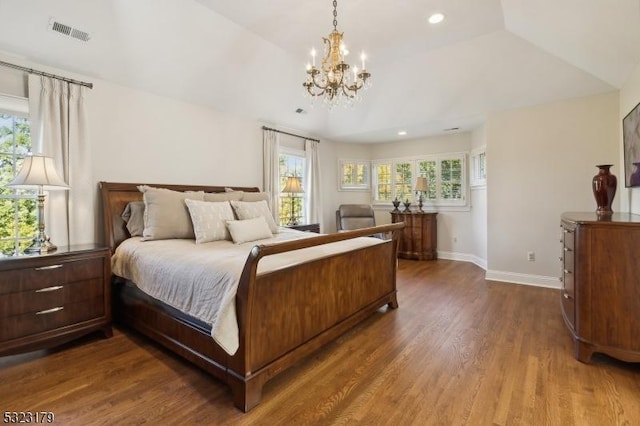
x: 567, y: 249
x: 54, y: 288
x: 45, y: 268
x: 568, y: 231
x: 566, y: 295
x: 50, y: 311
x: 566, y: 271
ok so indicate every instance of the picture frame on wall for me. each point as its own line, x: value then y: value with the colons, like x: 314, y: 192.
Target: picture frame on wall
x: 631, y: 141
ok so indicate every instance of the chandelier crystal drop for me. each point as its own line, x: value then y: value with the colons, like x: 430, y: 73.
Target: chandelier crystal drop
x: 332, y: 81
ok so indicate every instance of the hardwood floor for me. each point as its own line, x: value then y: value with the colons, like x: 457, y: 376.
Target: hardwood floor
x: 459, y: 350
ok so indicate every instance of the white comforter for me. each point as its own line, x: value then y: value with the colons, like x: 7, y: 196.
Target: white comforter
x: 202, y: 279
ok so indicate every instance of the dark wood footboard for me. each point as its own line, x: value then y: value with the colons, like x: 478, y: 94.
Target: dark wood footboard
x: 283, y: 315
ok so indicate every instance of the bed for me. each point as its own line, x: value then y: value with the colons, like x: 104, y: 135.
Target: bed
x: 282, y: 315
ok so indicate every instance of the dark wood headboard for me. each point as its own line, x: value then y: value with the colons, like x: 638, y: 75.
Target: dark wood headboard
x: 115, y: 197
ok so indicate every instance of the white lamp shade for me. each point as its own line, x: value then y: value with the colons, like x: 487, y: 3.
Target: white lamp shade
x: 421, y: 184
x: 38, y: 170
x: 293, y: 185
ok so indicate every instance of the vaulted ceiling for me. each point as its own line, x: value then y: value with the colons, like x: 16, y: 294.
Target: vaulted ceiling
x: 248, y: 57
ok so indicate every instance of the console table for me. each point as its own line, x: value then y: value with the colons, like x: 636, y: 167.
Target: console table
x: 419, y: 237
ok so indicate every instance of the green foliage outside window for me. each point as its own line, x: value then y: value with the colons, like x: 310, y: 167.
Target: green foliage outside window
x: 383, y: 173
x: 291, y: 165
x: 404, y: 174
x: 18, y: 219
x: 451, y: 177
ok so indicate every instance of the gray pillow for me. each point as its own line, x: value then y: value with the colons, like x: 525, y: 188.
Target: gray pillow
x: 165, y: 213
x: 133, y: 215
x: 223, y: 196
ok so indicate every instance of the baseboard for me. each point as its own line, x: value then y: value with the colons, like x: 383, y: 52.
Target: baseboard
x: 508, y: 277
x: 463, y: 257
x: 527, y: 279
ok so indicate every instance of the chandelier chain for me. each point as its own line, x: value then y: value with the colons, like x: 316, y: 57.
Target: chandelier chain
x: 335, y: 15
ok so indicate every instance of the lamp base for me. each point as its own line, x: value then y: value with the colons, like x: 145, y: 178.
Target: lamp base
x: 39, y: 245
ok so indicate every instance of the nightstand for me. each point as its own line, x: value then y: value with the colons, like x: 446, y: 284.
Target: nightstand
x: 310, y: 227
x: 49, y: 299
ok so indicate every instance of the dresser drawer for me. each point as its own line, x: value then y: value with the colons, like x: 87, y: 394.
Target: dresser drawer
x: 49, y: 297
x: 50, y: 274
x: 48, y: 319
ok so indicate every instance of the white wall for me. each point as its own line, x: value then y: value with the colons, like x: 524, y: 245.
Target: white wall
x: 479, y: 208
x: 330, y: 154
x: 540, y: 162
x: 629, y: 98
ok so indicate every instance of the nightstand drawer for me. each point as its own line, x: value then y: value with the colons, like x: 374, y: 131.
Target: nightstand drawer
x: 49, y: 297
x: 51, y: 318
x: 50, y: 274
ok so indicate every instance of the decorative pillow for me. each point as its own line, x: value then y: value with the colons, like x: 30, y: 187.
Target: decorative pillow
x: 165, y: 213
x: 210, y: 220
x: 250, y: 210
x: 243, y: 231
x: 223, y: 196
x: 133, y: 215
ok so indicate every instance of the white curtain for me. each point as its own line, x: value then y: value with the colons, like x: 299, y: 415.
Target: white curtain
x: 271, y: 167
x: 312, y: 186
x: 59, y: 129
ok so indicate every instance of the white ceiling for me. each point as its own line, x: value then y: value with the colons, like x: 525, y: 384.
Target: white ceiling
x: 248, y: 57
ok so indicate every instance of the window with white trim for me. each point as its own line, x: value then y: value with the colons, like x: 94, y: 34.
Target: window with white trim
x: 478, y: 167
x: 292, y: 163
x: 18, y: 212
x: 445, y: 173
x: 354, y: 175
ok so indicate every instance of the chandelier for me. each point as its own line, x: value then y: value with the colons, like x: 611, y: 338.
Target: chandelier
x: 332, y: 80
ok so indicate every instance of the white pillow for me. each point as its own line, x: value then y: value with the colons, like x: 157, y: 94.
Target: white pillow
x: 250, y: 210
x: 210, y: 220
x: 243, y: 231
x: 165, y: 213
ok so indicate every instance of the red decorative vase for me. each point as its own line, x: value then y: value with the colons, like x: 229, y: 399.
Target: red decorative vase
x: 604, y: 189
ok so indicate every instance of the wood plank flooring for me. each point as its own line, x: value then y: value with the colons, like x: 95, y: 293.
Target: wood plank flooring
x: 459, y: 350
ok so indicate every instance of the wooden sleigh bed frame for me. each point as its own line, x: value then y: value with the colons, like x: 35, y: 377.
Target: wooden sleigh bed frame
x: 282, y: 315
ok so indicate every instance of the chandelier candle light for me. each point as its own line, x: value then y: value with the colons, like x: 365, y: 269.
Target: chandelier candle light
x: 293, y: 187
x: 332, y: 80
x: 38, y: 171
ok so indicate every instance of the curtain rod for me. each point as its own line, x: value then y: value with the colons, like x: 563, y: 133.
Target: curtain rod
x: 290, y: 134
x: 45, y: 74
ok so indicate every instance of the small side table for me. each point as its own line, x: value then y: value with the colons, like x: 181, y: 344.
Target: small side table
x: 309, y: 227
x: 50, y: 299
x: 419, y: 237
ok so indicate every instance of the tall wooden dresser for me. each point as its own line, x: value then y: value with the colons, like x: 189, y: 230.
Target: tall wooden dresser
x: 420, y: 237
x: 600, y: 295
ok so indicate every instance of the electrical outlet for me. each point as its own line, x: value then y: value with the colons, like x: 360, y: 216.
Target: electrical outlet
x: 531, y: 256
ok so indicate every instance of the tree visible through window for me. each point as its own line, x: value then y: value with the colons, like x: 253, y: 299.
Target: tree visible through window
x: 18, y: 218
x: 292, y: 164
x: 445, y: 173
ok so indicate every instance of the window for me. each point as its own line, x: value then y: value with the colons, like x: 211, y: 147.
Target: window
x: 292, y: 163
x: 18, y: 213
x: 354, y: 175
x: 479, y: 167
x: 445, y: 179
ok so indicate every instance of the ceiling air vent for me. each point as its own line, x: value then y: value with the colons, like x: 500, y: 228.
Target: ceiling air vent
x: 68, y: 30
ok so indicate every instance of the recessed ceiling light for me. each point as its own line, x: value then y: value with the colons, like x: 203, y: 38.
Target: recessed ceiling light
x: 402, y: 132
x: 436, y: 18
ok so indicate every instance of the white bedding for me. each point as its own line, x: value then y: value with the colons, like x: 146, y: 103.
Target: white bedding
x: 202, y: 279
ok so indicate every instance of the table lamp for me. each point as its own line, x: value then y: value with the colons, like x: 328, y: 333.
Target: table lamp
x: 38, y: 171
x: 421, y: 188
x: 293, y: 186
